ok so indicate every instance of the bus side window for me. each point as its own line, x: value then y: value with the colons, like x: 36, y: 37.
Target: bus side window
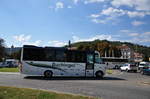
x: 33, y: 54
x: 75, y: 56
x: 70, y: 56
x: 60, y: 56
x: 50, y: 55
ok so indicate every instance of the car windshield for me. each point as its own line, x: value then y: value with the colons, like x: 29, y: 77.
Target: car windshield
x: 142, y: 64
x: 124, y: 65
x: 145, y: 65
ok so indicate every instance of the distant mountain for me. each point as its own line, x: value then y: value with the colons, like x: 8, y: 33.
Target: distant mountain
x: 102, y: 45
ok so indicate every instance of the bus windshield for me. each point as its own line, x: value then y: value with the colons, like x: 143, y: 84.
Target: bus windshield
x: 98, y: 59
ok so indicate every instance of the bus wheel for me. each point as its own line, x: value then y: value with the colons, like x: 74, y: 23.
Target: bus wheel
x: 48, y: 74
x: 99, y: 74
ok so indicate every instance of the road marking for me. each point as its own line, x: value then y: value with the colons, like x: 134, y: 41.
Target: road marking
x: 145, y: 83
x: 115, y: 73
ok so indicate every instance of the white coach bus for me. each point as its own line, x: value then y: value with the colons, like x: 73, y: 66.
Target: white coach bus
x: 59, y: 61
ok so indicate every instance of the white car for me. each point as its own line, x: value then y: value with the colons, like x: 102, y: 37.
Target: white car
x: 142, y: 64
x: 129, y: 67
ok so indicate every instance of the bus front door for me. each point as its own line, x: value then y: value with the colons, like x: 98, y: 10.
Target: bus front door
x: 89, y: 70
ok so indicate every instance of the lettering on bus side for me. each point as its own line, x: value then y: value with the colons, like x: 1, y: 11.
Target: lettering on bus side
x: 61, y: 64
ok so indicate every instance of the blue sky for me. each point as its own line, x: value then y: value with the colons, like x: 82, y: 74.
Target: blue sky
x: 54, y: 22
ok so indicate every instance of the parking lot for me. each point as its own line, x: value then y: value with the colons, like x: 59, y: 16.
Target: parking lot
x: 120, y: 85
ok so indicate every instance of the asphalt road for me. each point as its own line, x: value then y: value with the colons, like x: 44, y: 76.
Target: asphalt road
x: 120, y: 85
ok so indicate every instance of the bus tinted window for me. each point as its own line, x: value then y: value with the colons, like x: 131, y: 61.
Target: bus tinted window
x: 52, y: 54
x: 60, y: 56
x: 80, y: 57
x: 36, y: 54
x: 49, y: 55
x: 70, y: 56
x: 75, y: 56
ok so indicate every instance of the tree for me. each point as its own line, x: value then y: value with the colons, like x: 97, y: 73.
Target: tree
x: 2, y: 49
x: 110, y: 48
x: 103, y: 48
x: 16, y: 55
x: 146, y: 58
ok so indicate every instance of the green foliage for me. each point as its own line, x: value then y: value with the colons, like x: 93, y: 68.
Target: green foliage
x: 16, y: 55
x: 24, y: 93
x: 9, y: 69
x: 104, y: 46
x: 146, y: 58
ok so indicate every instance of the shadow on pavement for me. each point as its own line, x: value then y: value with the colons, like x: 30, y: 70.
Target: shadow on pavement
x: 71, y: 78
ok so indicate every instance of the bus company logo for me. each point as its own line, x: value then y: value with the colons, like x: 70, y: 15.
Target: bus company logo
x: 62, y: 64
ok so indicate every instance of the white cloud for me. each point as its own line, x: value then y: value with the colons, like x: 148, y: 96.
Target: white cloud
x: 69, y: 7
x: 147, y: 34
x: 75, y: 1
x: 129, y: 33
x: 59, y: 5
x: 137, y: 4
x: 22, y: 38
x: 36, y: 43
x: 120, y: 12
x: 99, y: 21
x: 125, y: 31
x: 142, y: 38
x: 133, y: 34
x: 136, y: 14
x: 136, y: 37
x: 137, y: 23
x: 109, y: 13
x: 94, y: 15
x: 100, y: 37
x: 93, y: 1
x: 57, y: 43
x: 103, y: 21
x: 113, y: 12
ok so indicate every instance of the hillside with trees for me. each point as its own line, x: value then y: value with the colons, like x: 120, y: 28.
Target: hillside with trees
x: 110, y: 47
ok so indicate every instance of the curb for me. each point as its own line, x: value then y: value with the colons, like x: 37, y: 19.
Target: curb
x: 10, y: 73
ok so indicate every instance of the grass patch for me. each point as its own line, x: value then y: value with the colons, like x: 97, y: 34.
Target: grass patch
x: 24, y: 93
x: 109, y: 71
x: 9, y: 70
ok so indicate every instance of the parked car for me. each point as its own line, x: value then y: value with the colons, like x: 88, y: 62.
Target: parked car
x: 146, y: 69
x: 113, y: 65
x: 141, y: 65
x: 117, y: 67
x: 0, y: 64
x: 129, y: 67
x: 9, y: 63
